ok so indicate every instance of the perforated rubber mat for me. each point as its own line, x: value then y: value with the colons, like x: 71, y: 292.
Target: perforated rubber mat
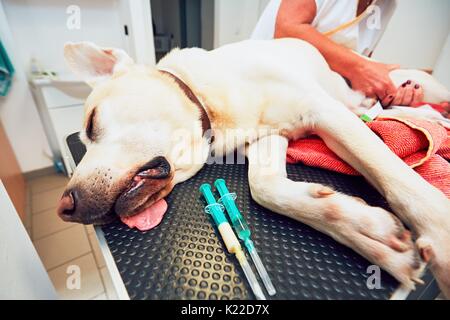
x: 183, y: 258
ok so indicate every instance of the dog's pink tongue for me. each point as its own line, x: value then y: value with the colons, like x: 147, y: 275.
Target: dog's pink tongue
x: 149, y: 218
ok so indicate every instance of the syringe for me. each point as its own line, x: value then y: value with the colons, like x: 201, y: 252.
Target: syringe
x: 243, y: 231
x: 229, y: 238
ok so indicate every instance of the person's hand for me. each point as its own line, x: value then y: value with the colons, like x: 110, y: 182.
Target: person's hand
x: 409, y: 93
x: 372, y: 79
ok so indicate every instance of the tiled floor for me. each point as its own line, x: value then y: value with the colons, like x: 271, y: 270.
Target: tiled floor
x: 61, y: 244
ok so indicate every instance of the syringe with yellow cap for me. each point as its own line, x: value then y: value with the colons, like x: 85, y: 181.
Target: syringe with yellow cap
x: 243, y: 231
x: 229, y: 238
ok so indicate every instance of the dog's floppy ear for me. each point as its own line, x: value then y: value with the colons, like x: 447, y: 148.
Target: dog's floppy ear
x: 94, y: 64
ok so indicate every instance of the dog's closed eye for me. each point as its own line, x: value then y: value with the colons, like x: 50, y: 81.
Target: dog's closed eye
x: 91, y: 128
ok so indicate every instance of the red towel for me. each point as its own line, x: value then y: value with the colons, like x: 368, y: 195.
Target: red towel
x: 423, y: 145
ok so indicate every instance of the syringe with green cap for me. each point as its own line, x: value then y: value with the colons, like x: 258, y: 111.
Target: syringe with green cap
x: 243, y: 231
x: 229, y: 238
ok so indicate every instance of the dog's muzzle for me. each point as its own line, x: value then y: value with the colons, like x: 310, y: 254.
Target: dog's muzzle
x: 84, y: 204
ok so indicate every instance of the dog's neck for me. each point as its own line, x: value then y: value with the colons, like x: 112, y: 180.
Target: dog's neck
x: 204, y: 118
x: 223, y: 98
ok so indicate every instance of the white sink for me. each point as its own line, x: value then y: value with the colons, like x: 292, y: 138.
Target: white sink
x: 70, y: 86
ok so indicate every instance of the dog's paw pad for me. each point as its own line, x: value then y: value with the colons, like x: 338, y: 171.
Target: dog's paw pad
x: 321, y: 191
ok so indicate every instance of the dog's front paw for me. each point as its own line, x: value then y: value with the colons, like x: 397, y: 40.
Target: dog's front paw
x: 432, y: 226
x: 435, y: 250
x: 388, y: 244
x: 378, y: 235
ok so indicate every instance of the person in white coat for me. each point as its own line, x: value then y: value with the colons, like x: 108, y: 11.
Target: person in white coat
x: 343, y: 31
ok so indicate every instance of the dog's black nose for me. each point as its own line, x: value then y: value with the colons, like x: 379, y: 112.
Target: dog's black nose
x: 78, y: 205
x: 66, y: 206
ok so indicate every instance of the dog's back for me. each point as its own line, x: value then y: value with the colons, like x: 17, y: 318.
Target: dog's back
x: 289, y: 60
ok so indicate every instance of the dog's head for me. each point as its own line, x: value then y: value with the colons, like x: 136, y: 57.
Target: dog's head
x: 142, y: 135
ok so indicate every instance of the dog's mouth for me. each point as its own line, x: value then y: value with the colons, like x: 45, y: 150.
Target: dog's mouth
x: 142, y: 203
x: 148, y: 218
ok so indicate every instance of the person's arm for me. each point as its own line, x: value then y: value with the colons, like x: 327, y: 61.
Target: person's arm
x: 372, y: 78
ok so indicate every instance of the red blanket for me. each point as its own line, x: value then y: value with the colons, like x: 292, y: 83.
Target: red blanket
x: 423, y: 145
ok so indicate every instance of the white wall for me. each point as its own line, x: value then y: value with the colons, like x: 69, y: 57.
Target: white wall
x: 442, y: 67
x: 416, y: 33
x: 234, y: 20
x: 18, y: 112
x: 38, y: 29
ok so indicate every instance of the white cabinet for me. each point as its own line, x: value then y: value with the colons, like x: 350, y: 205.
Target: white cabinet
x: 60, y: 104
x: 66, y: 120
x: 22, y: 274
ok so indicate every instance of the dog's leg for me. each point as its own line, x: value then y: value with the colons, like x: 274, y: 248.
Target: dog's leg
x: 373, y: 232
x: 424, y: 208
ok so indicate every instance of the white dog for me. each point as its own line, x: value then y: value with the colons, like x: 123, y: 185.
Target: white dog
x: 282, y: 86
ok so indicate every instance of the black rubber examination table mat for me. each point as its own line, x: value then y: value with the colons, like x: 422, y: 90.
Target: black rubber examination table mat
x: 183, y: 258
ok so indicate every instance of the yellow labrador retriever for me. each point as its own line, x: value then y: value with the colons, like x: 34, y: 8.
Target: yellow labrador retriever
x: 146, y: 128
